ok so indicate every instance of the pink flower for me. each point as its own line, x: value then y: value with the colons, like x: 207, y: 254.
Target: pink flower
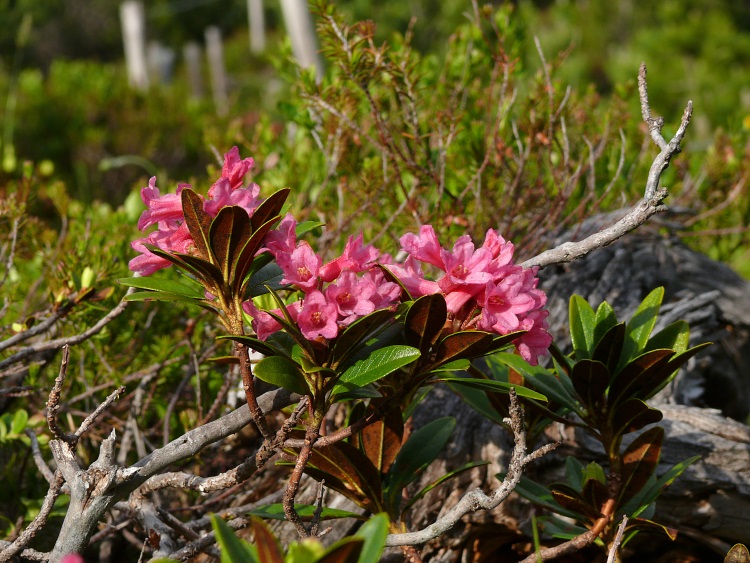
x: 410, y: 274
x: 356, y: 257
x: 160, y: 207
x: 503, y: 305
x: 263, y: 324
x: 536, y: 342
x: 301, y: 267
x: 170, y: 236
x: 351, y: 296
x: 424, y: 247
x: 317, y: 317
x: 387, y: 293
x: 234, y: 170
x: 71, y: 558
x: 224, y: 195
x: 283, y: 239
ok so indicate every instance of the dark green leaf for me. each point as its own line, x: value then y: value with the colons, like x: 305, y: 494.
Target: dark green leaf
x: 541, y: 496
x: 419, y: 451
x: 650, y: 387
x: 609, y: 347
x: 590, y: 380
x: 269, y: 275
x: 627, y: 382
x: 649, y: 494
x: 169, y: 286
x: 357, y: 332
x: 457, y: 365
x: 378, y: 364
x: 639, y: 462
x: 632, y: 415
x: 198, y: 223
x: 305, y: 511
x: 569, y: 500
x: 266, y: 348
x: 233, y: 550
x: 492, y: 385
x: 574, y: 471
x: 442, y: 479
x: 642, y: 524
x: 478, y: 401
x: 164, y: 296
x: 244, y: 255
x: 582, y: 324
x: 281, y: 372
x: 424, y: 321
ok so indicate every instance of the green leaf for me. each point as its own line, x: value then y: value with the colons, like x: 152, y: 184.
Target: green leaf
x: 640, y: 326
x: 233, y: 550
x: 281, y: 372
x: 457, y: 365
x: 377, y: 365
x: 541, y: 496
x: 643, y: 524
x: 630, y: 379
x: 443, y: 479
x: 20, y: 418
x: 373, y: 532
x: 306, y: 226
x: 305, y: 511
x: 542, y: 380
x: 169, y: 286
x: 673, y: 337
x: 419, y: 451
x: 649, y: 494
x: 582, y: 324
x: 265, y: 542
x: 478, y: 401
x: 609, y: 347
x: 424, y: 321
x: 604, y: 321
x: 198, y: 223
x: 640, y: 460
x: 266, y: 348
x: 269, y: 275
x: 165, y: 296
x: 574, y: 471
x: 492, y: 385
x: 666, y: 374
x: 357, y: 332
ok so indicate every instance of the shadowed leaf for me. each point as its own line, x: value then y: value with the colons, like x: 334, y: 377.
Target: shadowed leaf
x: 609, y: 347
x: 357, y: 332
x: 281, y: 372
x: 305, y: 512
x: 642, y: 524
x: 492, y: 386
x: 590, y: 380
x: 265, y: 542
x: 198, y: 222
x: 632, y: 415
x: 170, y: 286
x: 649, y: 494
x: 442, y: 479
x: 268, y: 276
x: 229, y: 230
x: 243, y: 257
x: 541, y: 496
x: 575, y: 504
x: 639, y: 461
x: 594, y: 493
x: 462, y: 345
x: 382, y: 439
x: 264, y: 348
x: 425, y: 321
x: 270, y: 207
x: 343, y: 551
x: 642, y: 367
x: 650, y: 387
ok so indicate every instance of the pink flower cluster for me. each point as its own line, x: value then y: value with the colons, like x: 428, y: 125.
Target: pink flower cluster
x: 335, y: 294
x: 482, y: 287
x: 165, y: 211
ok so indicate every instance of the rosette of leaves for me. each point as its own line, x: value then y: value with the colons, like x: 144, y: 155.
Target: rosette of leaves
x: 225, y: 263
x: 603, y: 387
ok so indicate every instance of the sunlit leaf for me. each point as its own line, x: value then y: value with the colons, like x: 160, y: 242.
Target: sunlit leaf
x: 462, y: 345
x: 270, y: 207
x: 281, y: 372
x: 582, y: 323
x: 265, y: 542
x: 492, y: 385
x: 442, y: 479
x: 381, y: 440
x: 605, y: 319
x: 590, y: 379
x: 346, y: 550
x: 640, y: 326
x: 233, y: 550
x: 377, y: 365
x: 305, y: 512
x: 373, y: 532
x: 673, y: 337
x: 169, y: 286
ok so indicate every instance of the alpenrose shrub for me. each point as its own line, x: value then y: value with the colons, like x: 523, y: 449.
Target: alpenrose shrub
x: 483, y: 289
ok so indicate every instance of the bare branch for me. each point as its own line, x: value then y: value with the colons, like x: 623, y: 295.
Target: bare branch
x: 476, y: 499
x: 36, y: 453
x: 68, y: 340
x: 653, y: 197
x: 53, y: 403
x: 618, y: 540
x: 90, y: 419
